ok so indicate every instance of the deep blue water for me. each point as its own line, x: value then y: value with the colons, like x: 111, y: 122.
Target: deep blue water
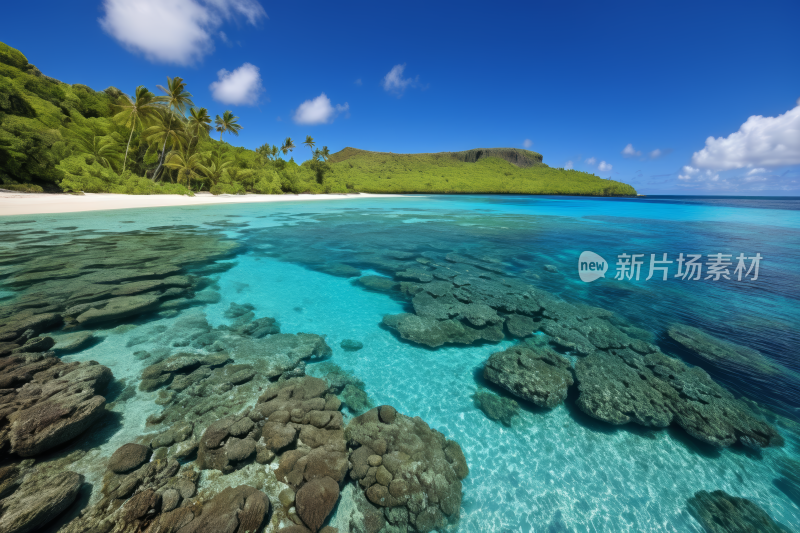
x: 555, y: 470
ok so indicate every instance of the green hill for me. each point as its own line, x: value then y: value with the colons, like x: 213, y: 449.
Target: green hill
x: 60, y: 137
x: 478, y: 171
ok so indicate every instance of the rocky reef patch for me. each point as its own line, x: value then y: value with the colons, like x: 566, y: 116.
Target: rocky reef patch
x: 719, y: 512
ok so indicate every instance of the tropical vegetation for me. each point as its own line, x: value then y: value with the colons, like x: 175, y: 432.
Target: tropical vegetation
x: 60, y: 137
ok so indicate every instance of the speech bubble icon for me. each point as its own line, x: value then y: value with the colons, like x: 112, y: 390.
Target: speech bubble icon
x: 591, y: 266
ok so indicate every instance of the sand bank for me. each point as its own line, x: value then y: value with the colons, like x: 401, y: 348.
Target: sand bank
x: 14, y: 203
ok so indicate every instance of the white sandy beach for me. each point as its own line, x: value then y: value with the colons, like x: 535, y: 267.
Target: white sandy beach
x: 14, y: 203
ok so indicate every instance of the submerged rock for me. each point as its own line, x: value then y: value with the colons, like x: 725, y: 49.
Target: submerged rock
x: 520, y: 325
x: 719, y: 512
x: 282, y: 352
x: 724, y: 354
x: 538, y: 375
x: 350, y: 345
x: 73, y: 342
x: 411, y: 455
x: 378, y: 283
x: 238, y: 510
x: 37, y: 501
x: 496, y: 407
x: 128, y: 457
x: 432, y: 332
x: 623, y: 386
x: 37, y: 323
x: 315, y: 501
x: 356, y: 399
x: 53, y: 402
x: 116, y: 308
x: 301, y: 420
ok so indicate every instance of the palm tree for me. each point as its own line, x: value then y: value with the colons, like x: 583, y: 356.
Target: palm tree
x: 136, y: 112
x: 103, y: 149
x: 166, y: 129
x: 227, y: 123
x: 216, y: 165
x: 325, y: 153
x: 274, y: 151
x: 188, y: 166
x: 310, y: 143
x: 288, y: 145
x: 176, y: 98
x: 199, y: 123
x: 316, y: 155
x: 264, y: 151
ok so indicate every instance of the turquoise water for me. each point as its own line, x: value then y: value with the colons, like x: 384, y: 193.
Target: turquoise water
x: 552, y: 470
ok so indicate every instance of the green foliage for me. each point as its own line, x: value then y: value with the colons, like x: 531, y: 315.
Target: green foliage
x: 378, y: 172
x: 22, y: 187
x: 86, y: 174
x: 13, y: 101
x: 139, y: 185
x: 227, y: 188
x: 320, y: 168
x: 267, y: 182
x: 12, y: 56
x: 28, y: 151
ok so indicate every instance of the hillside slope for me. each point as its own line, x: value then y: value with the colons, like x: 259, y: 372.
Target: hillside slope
x: 478, y: 171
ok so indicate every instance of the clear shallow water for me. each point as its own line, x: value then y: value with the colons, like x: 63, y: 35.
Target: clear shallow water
x: 555, y: 470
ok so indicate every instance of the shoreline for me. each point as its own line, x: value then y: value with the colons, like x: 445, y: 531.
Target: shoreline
x: 17, y: 203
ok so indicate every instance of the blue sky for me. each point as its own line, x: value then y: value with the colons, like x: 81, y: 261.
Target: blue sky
x: 578, y: 81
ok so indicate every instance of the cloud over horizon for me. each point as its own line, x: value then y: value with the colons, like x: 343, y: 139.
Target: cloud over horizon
x: 318, y: 111
x: 173, y: 31
x: 395, y: 83
x: 760, y: 142
x: 240, y: 87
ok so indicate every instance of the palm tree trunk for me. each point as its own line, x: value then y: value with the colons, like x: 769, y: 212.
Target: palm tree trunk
x: 127, y: 148
x: 163, y: 148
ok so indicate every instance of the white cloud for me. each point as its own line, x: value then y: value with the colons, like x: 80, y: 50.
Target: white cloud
x: 359, y: 82
x: 224, y: 37
x: 591, y: 161
x: 756, y: 171
x: 604, y: 167
x: 395, y: 83
x: 527, y: 143
x: 228, y: 9
x: 173, y: 31
x: 760, y: 141
x: 240, y: 87
x: 568, y: 165
x: 318, y: 111
x: 655, y: 154
x: 630, y: 151
x: 689, y: 173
